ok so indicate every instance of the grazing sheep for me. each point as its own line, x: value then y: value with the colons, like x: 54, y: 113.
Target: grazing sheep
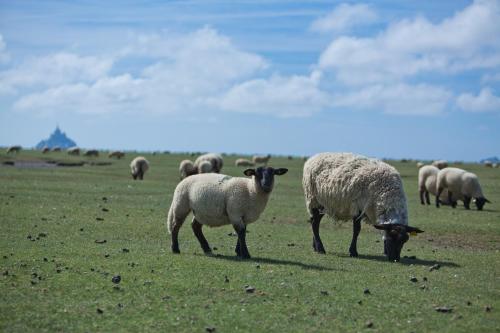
x: 45, y: 150
x: 427, y: 178
x: 217, y: 200
x: 261, y: 159
x: 73, y: 151
x: 13, y: 149
x: 420, y: 164
x: 56, y: 149
x: 138, y: 167
x: 214, y: 159
x: 495, y: 165
x: 440, y: 164
x: 488, y: 164
x: 186, y: 169
x: 92, y: 152
x: 116, y: 154
x: 204, y: 167
x: 242, y: 162
x: 462, y: 184
x: 347, y: 186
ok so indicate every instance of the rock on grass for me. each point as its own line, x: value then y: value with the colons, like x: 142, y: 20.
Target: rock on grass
x: 443, y: 309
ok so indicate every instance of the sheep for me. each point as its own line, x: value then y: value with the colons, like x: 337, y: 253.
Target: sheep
x: 214, y: 159
x: 462, y: 184
x: 242, y: 162
x: 117, y: 154
x: 73, y: 151
x: 347, y: 186
x: 488, y: 164
x: 427, y: 178
x: 45, y: 150
x: 186, y: 169
x: 261, y: 159
x: 420, y: 164
x: 138, y: 167
x: 495, y: 165
x: 13, y: 149
x: 440, y: 164
x: 56, y: 149
x: 217, y: 200
x: 92, y: 152
x: 204, y: 167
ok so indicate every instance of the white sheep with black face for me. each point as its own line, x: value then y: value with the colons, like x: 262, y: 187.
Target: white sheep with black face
x: 427, y: 180
x: 217, y: 200
x: 462, y: 184
x: 352, y: 187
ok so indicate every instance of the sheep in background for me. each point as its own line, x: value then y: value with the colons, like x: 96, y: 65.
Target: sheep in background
x: 427, y: 179
x: 488, y: 164
x: 116, y: 154
x: 440, y: 164
x: 462, y: 184
x: 352, y: 187
x: 420, y: 164
x: 92, y: 152
x: 204, y: 167
x: 215, y: 159
x: 138, y: 167
x: 14, y: 149
x: 186, y: 169
x: 261, y: 159
x: 217, y: 200
x: 56, y: 149
x: 73, y: 151
x: 242, y: 162
x: 45, y: 150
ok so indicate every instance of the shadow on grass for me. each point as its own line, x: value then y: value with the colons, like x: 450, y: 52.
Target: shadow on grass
x: 404, y: 261
x: 275, y: 262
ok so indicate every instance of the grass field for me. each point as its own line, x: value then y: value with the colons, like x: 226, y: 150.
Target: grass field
x: 57, y: 278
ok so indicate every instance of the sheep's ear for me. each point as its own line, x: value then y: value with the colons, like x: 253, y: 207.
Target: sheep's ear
x: 413, y: 230
x: 249, y: 172
x: 383, y: 226
x: 280, y: 171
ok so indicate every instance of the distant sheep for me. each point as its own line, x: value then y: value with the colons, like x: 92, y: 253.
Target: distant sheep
x: 420, y: 164
x: 45, y: 150
x: 214, y: 159
x: 13, y: 149
x: 352, y: 187
x: 217, y: 200
x: 242, y: 162
x: 186, y: 169
x: 73, y: 151
x: 488, y: 164
x: 495, y: 165
x: 138, y: 167
x: 56, y: 149
x: 261, y: 159
x: 465, y: 185
x: 427, y: 179
x: 116, y: 154
x: 440, y: 164
x: 92, y: 152
x: 204, y: 167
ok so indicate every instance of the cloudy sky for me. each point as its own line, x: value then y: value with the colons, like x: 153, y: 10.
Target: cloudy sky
x: 415, y: 79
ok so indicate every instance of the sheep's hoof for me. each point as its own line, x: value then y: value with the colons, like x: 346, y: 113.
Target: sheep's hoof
x: 353, y: 254
x: 176, y: 250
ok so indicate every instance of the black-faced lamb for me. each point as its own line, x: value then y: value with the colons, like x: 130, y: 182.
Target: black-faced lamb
x: 352, y: 187
x: 138, y: 167
x: 13, y: 149
x: 217, y: 200
x: 462, y: 184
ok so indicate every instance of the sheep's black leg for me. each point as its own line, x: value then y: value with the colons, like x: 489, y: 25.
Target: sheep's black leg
x: 440, y: 190
x: 450, y: 200
x: 134, y: 176
x: 427, y: 198
x: 175, y: 240
x: 243, y: 250
x: 422, y: 197
x: 315, y: 220
x: 237, y: 248
x: 201, y: 238
x: 356, y: 228
x: 141, y: 175
x: 467, y: 202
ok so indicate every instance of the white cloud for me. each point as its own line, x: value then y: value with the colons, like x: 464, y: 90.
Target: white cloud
x: 467, y: 40
x: 485, y: 101
x: 280, y: 96
x: 4, y: 56
x: 53, y: 70
x: 344, y: 17
x: 400, y: 99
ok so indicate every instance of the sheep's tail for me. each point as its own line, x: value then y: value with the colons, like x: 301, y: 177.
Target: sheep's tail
x: 170, y: 218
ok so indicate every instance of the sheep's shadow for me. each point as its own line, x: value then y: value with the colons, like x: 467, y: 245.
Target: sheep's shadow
x: 403, y: 261
x: 272, y: 261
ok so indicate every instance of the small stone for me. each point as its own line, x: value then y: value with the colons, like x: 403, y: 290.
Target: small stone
x: 226, y: 279
x: 120, y: 305
x: 366, y: 291
x: 257, y: 266
x: 249, y: 289
x: 124, y: 250
x: 443, y: 309
x: 42, y: 234
x: 99, y: 311
x: 58, y: 270
x: 423, y: 286
x: 106, y: 255
x: 210, y: 329
x: 104, y: 198
x: 413, y: 279
x: 99, y: 219
x: 105, y: 210
x: 5, y: 273
x: 81, y: 229
x: 116, y: 279
x: 214, y: 248
x: 360, y: 302
x: 487, y: 308
x: 45, y: 259
x: 369, y: 324
x: 434, y: 267
x: 324, y: 292
x: 290, y: 244
x: 469, y: 303
x: 101, y: 241
x: 424, y: 278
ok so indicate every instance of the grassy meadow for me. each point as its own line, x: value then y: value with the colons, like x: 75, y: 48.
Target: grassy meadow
x: 67, y: 231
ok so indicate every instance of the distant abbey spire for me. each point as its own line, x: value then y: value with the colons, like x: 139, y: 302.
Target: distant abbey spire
x: 57, y: 139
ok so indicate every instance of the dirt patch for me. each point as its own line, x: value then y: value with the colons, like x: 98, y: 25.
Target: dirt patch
x: 461, y: 241
x: 29, y: 164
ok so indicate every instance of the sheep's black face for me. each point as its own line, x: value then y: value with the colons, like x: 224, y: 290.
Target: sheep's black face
x: 265, y: 176
x: 480, y: 203
x: 396, y: 235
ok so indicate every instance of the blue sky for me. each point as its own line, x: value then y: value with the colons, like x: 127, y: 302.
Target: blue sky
x: 400, y: 79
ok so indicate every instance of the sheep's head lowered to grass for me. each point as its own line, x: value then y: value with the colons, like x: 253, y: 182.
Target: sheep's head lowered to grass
x: 394, y: 238
x: 265, y: 176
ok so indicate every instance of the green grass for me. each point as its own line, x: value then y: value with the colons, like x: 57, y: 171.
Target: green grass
x: 296, y: 290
